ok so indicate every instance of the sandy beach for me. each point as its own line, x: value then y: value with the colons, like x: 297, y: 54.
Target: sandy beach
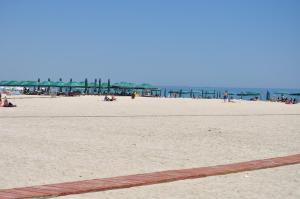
x: 50, y: 140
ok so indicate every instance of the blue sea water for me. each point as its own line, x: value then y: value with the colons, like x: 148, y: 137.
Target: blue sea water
x: 274, y: 92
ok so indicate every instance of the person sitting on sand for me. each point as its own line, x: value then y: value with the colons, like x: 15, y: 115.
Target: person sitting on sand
x: 106, y: 98
x: 288, y: 101
x: 133, y: 95
x: 6, y: 103
x: 295, y: 101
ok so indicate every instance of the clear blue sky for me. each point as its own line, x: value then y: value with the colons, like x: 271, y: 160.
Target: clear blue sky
x: 241, y: 43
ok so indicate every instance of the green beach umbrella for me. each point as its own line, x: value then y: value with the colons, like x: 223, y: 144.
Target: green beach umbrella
x: 47, y: 83
x: 108, y: 86
x: 35, y: 83
x: 81, y: 84
x: 58, y: 84
x: 99, y: 86
x: 72, y: 84
x: 27, y: 83
x: 13, y: 83
x: 92, y: 84
x: 3, y: 83
x: 104, y: 85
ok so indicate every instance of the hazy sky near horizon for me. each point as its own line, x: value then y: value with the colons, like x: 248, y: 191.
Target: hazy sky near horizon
x: 234, y: 43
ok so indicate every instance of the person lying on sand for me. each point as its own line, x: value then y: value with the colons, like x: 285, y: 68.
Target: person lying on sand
x: 113, y: 98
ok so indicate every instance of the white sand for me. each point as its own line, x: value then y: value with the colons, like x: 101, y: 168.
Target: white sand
x: 42, y: 142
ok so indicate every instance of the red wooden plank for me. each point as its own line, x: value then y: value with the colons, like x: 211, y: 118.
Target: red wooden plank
x: 84, y: 186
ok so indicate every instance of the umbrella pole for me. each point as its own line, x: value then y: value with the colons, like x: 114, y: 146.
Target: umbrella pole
x: 108, y: 86
x: 99, y: 89
x: 60, y: 88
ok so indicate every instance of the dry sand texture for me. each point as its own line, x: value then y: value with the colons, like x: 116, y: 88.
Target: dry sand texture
x: 50, y: 140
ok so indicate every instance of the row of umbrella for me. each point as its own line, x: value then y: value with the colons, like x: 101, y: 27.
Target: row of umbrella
x: 123, y: 85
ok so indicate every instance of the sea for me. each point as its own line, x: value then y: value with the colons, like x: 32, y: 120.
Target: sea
x: 200, y: 91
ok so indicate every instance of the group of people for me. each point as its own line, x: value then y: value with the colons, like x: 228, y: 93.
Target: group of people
x: 5, y: 102
x: 112, y: 98
x: 285, y: 100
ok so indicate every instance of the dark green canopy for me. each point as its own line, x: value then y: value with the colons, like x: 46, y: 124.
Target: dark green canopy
x: 126, y: 85
x: 47, y: 83
x: 145, y: 86
x: 12, y: 83
x: 92, y: 84
x: 3, y: 83
x: 28, y: 83
x: 72, y: 84
x: 58, y: 84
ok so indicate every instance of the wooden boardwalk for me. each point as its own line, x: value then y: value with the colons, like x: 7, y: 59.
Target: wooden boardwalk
x: 78, y: 187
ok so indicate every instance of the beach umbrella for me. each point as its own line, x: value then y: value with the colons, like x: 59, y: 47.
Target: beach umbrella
x: 46, y: 84
x: 108, y: 86
x: 3, y: 83
x: 27, y: 83
x: 72, y: 84
x: 117, y: 85
x: 48, y: 89
x: 81, y: 84
x: 86, y: 86
x: 104, y: 85
x: 92, y: 84
x: 39, y: 80
x: 34, y: 83
x: 13, y: 83
x: 70, y: 87
x: 99, y: 86
x: 125, y: 85
x: 95, y: 85
x: 58, y: 84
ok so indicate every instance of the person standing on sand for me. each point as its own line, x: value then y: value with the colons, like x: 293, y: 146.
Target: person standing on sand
x: 225, y: 97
